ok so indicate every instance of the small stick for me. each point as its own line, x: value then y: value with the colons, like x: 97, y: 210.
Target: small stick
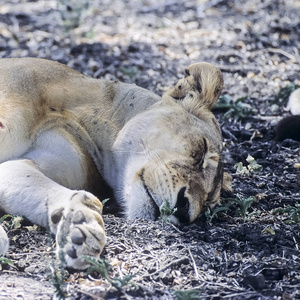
x: 194, y: 264
x: 296, y: 244
x: 172, y: 263
x: 282, y: 52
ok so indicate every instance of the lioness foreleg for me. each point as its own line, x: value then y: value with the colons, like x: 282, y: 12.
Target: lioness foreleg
x: 73, y: 215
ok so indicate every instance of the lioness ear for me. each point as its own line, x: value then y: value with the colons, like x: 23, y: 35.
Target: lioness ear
x: 208, y: 84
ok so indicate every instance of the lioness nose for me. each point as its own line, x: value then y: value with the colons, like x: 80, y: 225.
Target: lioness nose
x: 182, y: 206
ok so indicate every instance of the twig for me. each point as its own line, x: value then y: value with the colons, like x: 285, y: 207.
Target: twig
x: 194, y: 264
x: 169, y: 265
x: 87, y: 293
x: 219, y: 284
x: 202, y: 8
x: 32, y: 253
x: 296, y: 244
x: 282, y: 52
x: 239, y: 294
x: 158, y: 6
x: 176, y: 228
x: 120, y: 273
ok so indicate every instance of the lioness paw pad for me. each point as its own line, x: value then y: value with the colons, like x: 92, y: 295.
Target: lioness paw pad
x: 80, y: 230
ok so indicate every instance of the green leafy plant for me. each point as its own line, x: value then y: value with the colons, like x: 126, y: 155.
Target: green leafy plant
x: 187, y: 295
x: 166, y: 211
x: 12, y: 222
x: 131, y: 72
x: 243, y: 205
x: 292, y: 213
x: 58, y: 274
x: 211, y: 214
x: 58, y: 277
x: 3, y: 218
x: 73, y: 12
x: 5, y: 261
x: 102, y: 267
x: 237, y: 109
x: 252, y: 168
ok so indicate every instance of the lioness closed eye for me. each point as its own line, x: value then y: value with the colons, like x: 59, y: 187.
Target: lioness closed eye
x: 64, y: 137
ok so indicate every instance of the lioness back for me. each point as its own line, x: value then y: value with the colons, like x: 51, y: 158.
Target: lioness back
x: 40, y: 94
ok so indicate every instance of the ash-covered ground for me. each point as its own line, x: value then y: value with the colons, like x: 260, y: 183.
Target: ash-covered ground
x: 249, y: 247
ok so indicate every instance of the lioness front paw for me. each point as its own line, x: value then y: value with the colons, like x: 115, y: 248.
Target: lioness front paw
x: 79, y: 230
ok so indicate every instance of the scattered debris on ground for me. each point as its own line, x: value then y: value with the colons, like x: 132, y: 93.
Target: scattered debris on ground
x: 248, y: 247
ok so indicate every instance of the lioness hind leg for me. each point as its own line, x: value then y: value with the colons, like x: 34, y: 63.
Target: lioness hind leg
x: 74, y: 216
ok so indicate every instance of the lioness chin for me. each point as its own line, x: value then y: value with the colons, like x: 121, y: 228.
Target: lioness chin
x: 64, y: 137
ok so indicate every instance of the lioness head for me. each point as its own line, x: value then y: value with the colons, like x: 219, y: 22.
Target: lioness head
x: 170, y: 155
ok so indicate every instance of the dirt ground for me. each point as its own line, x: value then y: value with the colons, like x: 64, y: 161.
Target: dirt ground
x: 236, y: 252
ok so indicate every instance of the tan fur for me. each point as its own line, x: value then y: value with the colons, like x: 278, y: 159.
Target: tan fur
x: 200, y: 88
x: 62, y: 134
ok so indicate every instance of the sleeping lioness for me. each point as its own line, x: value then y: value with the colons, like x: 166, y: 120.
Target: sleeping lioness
x: 64, y: 137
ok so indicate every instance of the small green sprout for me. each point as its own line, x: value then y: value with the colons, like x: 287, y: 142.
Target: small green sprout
x: 292, y: 213
x: 102, y: 267
x: 243, y: 203
x: 12, y: 222
x: 211, y: 214
x: 187, y: 295
x: 166, y: 211
x: 5, y: 261
x: 3, y: 218
x: 73, y: 13
x: 237, y: 109
x: 131, y: 72
x: 58, y: 277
